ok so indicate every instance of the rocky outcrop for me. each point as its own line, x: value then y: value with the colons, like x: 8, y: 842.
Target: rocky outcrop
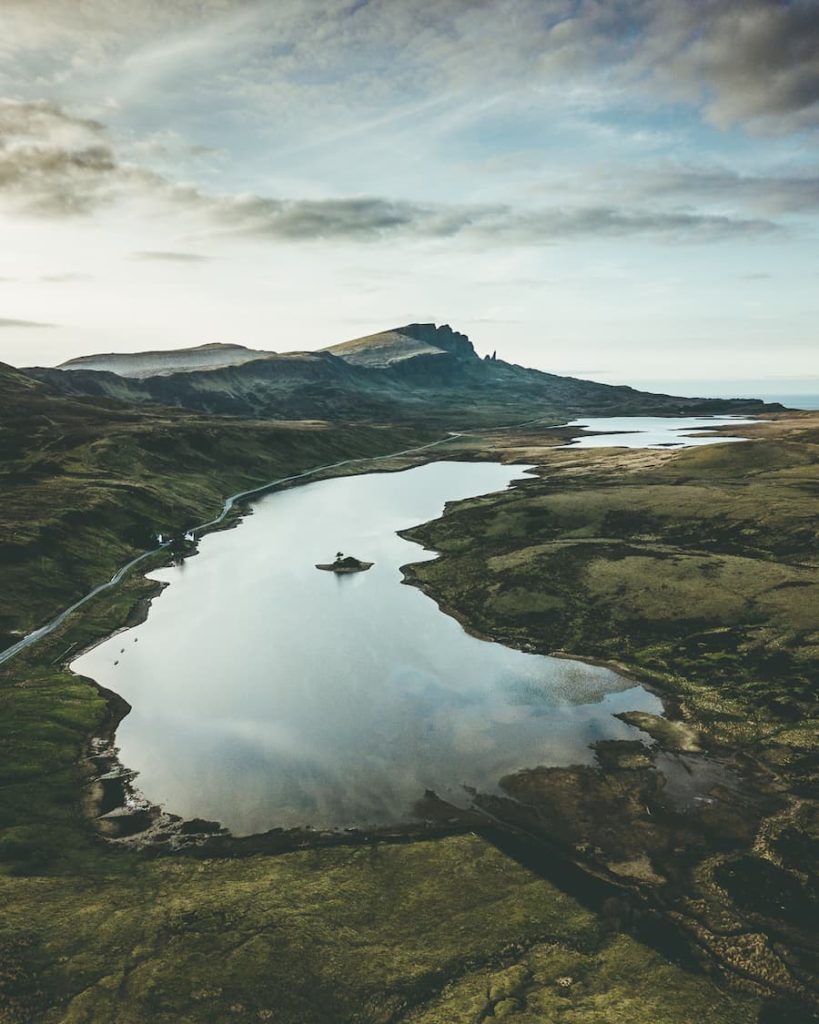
x: 442, y: 337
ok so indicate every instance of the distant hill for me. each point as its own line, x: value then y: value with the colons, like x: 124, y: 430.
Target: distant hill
x: 155, y: 363
x: 418, y: 371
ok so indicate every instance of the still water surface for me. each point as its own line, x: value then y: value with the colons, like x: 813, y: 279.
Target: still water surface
x: 654, y: 431
x: 266, y: 693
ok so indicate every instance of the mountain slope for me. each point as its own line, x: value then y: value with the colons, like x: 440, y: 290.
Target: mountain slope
x: 419, y: 371
x: 152, y: 363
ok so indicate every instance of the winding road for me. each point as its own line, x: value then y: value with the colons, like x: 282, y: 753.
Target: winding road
x: 38, y: 634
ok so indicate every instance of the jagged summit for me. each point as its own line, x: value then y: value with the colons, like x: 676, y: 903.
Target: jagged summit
x: 394, y: 346
x: 158, y: 362
x: 442, y: 337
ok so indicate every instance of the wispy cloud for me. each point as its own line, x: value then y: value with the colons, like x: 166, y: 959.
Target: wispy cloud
x: 747, y: 62
x: 9, y: 322
x: 506, y: 158
x: 170, y: 257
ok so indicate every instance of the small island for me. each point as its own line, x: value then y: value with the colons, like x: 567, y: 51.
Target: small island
x: 345, y: 563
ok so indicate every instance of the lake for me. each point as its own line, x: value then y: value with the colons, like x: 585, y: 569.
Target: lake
x: 654, y: 431
x: 267, y: 693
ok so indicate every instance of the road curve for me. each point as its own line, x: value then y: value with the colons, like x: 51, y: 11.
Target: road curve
x: 32, y: 638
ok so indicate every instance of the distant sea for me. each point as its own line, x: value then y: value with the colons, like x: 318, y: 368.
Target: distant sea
x: 793, y: 401
x: 791, y: 392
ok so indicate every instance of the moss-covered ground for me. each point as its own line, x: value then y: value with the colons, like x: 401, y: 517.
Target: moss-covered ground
x: 699, y: 572
x: 78, y: 500
x: 451, y: 929
x: 332, y: 935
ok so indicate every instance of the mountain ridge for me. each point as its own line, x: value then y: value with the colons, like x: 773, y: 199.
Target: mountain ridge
x: 417, y: 371
x: 155, y: 362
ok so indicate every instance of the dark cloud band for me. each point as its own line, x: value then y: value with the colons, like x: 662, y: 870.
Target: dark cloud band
x: 54, y: 164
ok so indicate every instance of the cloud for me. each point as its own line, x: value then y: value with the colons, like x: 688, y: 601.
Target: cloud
x: 52, y: 163
x: 702, y: 185
x: 774, y: 193
x: 6, y: 322
x: 753, y: 62
x: 748, y: 62
x: 373, y: 218
x: 170, y: 257
x: 617, y: 222
x: 170, y: 144
x: 359, y: 218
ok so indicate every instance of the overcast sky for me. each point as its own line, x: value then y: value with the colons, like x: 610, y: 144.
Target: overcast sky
x: 626, y: 190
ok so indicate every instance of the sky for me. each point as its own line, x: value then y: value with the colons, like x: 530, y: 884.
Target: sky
x: 624, y: 190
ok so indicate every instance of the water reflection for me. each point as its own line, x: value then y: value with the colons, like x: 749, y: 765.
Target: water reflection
x: 654, y: 431
x: 267, y: 693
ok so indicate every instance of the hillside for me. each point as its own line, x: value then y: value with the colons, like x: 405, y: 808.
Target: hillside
x: 154, y: 363
x: 419, y: 371
x: 86, y: 483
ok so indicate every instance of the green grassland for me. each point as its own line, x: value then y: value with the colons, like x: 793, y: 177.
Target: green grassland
x: 86, y: 487
x: 364, y: 935
x: 699, y: 568
x: 699, y: 572
x: 450, y: 929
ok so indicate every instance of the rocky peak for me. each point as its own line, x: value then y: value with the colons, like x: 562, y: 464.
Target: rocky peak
x: 442, y: 337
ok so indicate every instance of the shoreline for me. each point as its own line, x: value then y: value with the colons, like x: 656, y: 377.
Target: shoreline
x: 167, y: 833
x: 234, y: 501
x: 230, y: 503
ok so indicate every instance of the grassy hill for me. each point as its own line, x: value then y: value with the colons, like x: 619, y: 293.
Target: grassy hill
x: 149, y: 364
x: 698, y: 571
